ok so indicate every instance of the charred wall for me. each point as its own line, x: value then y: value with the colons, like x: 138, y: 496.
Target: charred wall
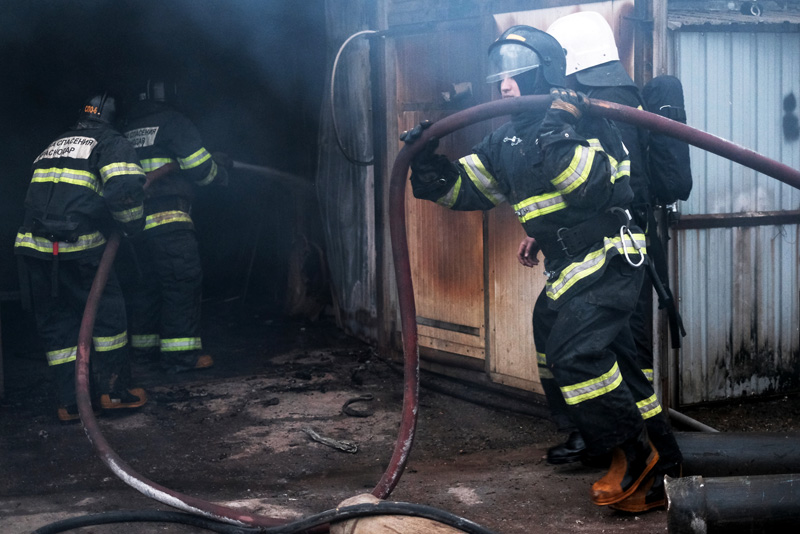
x: 250, y: 75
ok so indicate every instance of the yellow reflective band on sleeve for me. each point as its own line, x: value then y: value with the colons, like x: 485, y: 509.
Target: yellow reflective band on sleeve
x: 618, y: 169
x: 116, y: 169
x: 484, y: 182
x: 181, y: 344
x: 68, y: 176
x: 125, y: 216
x: 649, y: 407
x: 577, y: 172
x: 105, y: 344
x: 448, y: 200
x: 210, y: 176
x: 541, y: 361
x: 591, y: 263
x: 144, y: 341
x: 40, y: 244
x: 648, y: 374
x: 57, y: 357
x: 166, y: 217
x: 593, y: 388
x: 538, y: 205
x: 152, y: 164
x: 192, y: 161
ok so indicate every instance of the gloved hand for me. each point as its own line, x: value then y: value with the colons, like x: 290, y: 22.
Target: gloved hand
x: 409, y: 136
x: 567, y: 106
x: 223, y: 160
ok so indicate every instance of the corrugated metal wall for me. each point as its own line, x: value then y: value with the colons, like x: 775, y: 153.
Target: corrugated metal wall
x: 738, y: 287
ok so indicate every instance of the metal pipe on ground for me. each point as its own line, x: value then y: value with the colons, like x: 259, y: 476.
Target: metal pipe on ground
x: 724, y: 454
x: 731, y: 505
x: 685, y: 420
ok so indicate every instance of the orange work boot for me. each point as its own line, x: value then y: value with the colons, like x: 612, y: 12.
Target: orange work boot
x: 650, y: 494
x: 204, y: 362
x: 128, y: 398
x: 630, y: 464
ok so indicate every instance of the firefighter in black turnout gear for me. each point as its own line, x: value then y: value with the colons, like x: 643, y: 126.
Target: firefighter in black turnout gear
x: 566, y: 176
x: 163, y: 282
x: 593, y: 68
x: 85, y: 184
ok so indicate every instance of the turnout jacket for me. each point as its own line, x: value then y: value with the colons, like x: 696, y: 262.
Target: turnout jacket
x: 83, y: 183
x: 162, y: 135
x: 552, y: 180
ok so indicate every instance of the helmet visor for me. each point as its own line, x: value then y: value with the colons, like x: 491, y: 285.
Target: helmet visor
x: 509, y: 59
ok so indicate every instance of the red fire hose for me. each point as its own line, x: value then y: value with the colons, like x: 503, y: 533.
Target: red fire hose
x: 405, y: 290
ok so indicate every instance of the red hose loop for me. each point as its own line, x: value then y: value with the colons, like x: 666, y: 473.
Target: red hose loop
x: 404, y: 287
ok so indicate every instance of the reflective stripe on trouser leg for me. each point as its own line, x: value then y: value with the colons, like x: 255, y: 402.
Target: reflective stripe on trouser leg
x: 176, y: 258
x: 590, y: 333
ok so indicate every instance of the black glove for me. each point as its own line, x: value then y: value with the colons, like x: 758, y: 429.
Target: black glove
x: 409, y: 136
x: 567, y: 106
x: 223, y: 160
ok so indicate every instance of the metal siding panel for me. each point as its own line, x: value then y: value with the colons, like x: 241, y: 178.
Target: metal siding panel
x: 738, y: 288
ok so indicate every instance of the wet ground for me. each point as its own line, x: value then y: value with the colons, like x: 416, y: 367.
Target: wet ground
x: 238, y: 435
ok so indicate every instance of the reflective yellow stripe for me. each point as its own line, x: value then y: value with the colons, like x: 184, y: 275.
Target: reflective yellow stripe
x: 484, y: 182
x: 649, y: 407
x: 144, y: 341
x: 538, y: 205
x: 105, y: 344
x: 449, y: 200
x: 149, y: 165
x: 125, y: 216
x: 166, y: 217
x: 116, y: 169
x: 541, y: 361
x: 591, y: 389
x: 69, y: 176
x: 648, y: 374
x: 591, y: 263
x: 192, y: 161
x: 40, y: 244
x: 57, y: 357
x: 181, y: 344
x: 210, y: 176
x: 577, y: 172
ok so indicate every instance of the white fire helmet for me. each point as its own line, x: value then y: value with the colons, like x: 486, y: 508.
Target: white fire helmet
x: 587, y: 39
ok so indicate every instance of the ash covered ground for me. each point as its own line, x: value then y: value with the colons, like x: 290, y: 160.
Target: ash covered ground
x: 237, y: 435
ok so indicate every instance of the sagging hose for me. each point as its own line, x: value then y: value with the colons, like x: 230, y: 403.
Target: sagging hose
x: 406, y: 302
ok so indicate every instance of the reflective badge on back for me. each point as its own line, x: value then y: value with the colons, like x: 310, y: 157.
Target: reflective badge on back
x: 142, y: 137
x: 77, y: 147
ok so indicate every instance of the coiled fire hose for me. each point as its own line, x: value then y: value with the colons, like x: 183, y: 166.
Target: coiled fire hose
x: 405, y: 290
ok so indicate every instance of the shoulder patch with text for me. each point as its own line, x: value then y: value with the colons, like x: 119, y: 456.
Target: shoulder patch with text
x: 77, y: 147
x: 142, y: 137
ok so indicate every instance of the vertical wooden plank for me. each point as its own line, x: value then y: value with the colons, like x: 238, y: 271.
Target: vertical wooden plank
x: 513, y: 290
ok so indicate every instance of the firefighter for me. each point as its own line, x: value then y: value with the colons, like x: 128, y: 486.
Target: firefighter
x: 566, y: 176
x: 593, y: 68
x: 85, y: 184
x: 164, y: 286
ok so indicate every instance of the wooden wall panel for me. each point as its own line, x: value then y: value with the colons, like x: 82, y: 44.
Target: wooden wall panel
x: 513, y: 290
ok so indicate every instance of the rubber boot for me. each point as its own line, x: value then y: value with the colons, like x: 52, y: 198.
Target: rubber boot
x: 630, y: 464
x: 568, y: 452
x: 125, y: 399
x: 650, y: 494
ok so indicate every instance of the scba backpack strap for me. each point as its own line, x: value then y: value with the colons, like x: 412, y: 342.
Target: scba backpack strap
x: 668, y: 158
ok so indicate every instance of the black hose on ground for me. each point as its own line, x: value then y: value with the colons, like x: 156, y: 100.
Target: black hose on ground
x: 143, y: 516
x: 295, y: 527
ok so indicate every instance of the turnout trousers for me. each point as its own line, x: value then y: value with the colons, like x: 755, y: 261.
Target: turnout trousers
x: 164, y: 298
x: 58, y: 322
x: 590, y: 368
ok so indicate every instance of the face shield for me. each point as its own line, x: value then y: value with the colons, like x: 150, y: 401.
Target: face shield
x: 510, y: 59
